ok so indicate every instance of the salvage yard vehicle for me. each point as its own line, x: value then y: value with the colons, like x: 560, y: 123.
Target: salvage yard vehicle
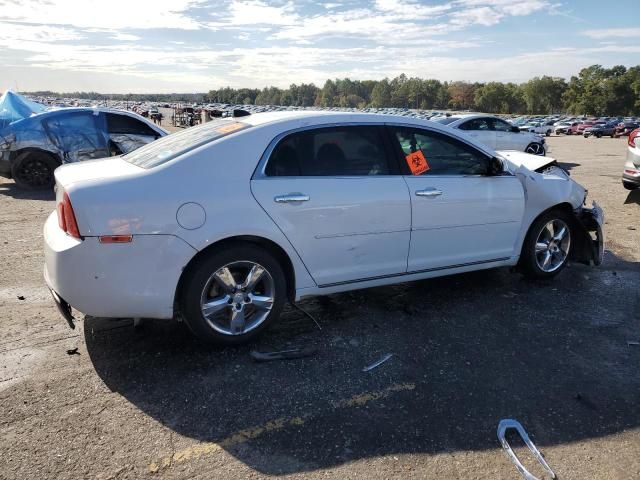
x: 599, y: 130
x: 220, y: 224
x: 496, y: 133
x: 631, y: 173
x: 33, y: 147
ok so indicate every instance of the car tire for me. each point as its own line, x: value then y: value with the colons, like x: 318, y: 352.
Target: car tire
x: 629, y: 185
x: 545, y: 252
x: 598, y: 135
x: 548, y: 133
x: 33, y: 170
x: 207, y: 282
x: 535, y: 149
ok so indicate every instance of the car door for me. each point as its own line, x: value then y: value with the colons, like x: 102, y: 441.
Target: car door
x: 79, y: 135
x: 480, y: 130
x: 460, y: 214
x: 506, y: 138
x: 127, y: 133
x: 337, y: 195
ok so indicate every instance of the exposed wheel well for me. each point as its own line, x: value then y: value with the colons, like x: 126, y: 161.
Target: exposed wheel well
x: 276, y: 250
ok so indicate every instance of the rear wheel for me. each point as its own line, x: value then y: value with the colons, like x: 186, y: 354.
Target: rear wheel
x: 34, y: 170
x: 598, y: 135
x: 230, y: 297
x: 547, y: 246
x: 548, y: 133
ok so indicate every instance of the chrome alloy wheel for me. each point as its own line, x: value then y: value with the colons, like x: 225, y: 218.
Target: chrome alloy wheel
x: 552, y: 245
x: 237, y: 298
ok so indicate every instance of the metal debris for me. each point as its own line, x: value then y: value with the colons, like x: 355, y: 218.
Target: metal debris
x: 507, y: 424
x: 282, y: 354
x: 378, y: 362
x: 294, y: 305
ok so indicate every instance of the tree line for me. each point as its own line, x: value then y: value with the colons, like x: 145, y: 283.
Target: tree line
x: 594, y: 91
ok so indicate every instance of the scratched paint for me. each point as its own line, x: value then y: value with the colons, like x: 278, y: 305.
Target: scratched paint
x: 202, y: 449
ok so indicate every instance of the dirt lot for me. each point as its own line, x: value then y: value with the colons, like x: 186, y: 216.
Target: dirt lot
x: 469, y: 350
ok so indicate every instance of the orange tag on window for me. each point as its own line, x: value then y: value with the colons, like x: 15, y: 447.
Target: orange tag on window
x: 417, y: 162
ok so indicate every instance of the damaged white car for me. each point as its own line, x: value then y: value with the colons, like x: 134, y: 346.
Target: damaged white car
x: 221, y: 224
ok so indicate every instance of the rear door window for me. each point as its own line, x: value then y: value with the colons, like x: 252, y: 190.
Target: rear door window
x: 330, y: 152
x: 117, y: 123
x: 475, y: 124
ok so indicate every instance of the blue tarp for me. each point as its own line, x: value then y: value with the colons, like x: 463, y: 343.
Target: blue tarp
x: 15, y: 107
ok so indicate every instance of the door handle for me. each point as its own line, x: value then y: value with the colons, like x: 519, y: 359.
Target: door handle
x: 428, y: 192
x: 291, y: 197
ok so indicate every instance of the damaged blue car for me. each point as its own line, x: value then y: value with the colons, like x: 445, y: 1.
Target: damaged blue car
x: 34, y: 140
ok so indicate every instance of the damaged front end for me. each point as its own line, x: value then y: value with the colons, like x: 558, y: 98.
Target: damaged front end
x: 589, y: 245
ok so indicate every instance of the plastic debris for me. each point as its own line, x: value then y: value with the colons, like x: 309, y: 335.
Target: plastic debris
x: 508, y: 424
x: 377, y: 363
x: 73, y: 351
x: 290, y: 354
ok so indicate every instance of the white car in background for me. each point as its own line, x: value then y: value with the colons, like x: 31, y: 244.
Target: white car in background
x: 221, y: 224
x: 496, y: 133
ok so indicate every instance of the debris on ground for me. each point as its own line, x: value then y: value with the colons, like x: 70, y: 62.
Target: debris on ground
x: 21, y: 297
x: 508, y: 424
x: 377, y: 363
x: 73, y: 351
x: 290, y: 354
x: 297, y: 307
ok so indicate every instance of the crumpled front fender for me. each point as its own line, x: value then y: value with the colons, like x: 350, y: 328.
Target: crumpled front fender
x: 589, y: 244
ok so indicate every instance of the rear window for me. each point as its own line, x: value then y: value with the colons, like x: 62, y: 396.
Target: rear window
x: 172, y: 146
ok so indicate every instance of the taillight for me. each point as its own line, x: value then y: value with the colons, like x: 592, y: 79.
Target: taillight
x: 632, y: 137
x: 67, y: 218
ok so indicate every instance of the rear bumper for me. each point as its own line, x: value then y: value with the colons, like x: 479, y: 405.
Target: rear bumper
x: 136, y: 279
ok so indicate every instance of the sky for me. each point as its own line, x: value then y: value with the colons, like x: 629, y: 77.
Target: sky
x: 144, y: 46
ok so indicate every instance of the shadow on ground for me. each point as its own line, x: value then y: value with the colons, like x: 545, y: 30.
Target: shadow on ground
x: 633, y: 197
x: 470, y: 349
x: 10, y: 189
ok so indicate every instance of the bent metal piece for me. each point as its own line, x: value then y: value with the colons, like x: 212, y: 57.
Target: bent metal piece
x: 507, y: 424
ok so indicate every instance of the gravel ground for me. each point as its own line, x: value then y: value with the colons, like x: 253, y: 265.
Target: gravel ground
x: 469, y: 350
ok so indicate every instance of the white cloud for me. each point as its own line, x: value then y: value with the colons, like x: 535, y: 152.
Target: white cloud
x: 613, y: 32
x: 114, y: 14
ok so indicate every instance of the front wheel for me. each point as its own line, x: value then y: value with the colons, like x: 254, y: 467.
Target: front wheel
x: 548, y: 133
x: 535, y: 149
x: 230, y: 297
x: 547, y: 246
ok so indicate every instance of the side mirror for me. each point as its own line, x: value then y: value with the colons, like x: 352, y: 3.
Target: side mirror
x: 515, y: 129
x: 495, y: 167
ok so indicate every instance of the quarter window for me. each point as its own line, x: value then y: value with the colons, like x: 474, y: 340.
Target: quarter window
x: 334, y: 151
x: 431, y: 153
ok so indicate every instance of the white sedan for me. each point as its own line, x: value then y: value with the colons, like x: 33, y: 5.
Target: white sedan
x: 496, y: 133
x: 221, y: 224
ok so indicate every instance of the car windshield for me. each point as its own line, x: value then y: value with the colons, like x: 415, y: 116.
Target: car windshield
x: 445, y: 120
x: 167, y: 148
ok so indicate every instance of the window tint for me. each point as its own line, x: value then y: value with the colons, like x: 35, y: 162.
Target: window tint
x: 501, y: 125
x: 431, y: 153
x: 475, y: 124
x: 335, y: 151
x: 126, y: 124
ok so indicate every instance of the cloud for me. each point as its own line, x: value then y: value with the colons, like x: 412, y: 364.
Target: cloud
x: 114, y: 14
x: 613, y: 32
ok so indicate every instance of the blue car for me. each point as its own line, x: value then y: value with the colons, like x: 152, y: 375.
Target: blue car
x: 35, y: 141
